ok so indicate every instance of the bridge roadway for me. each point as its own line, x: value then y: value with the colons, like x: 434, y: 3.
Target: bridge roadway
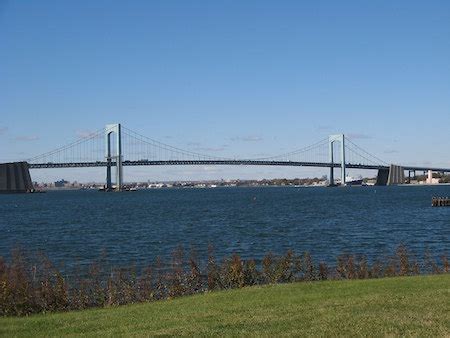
x: 227, y: 162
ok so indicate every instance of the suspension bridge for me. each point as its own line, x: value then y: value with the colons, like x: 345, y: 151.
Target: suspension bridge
x: 116, y: 146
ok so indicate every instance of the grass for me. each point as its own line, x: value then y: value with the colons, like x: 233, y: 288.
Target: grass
x: 418, y: 306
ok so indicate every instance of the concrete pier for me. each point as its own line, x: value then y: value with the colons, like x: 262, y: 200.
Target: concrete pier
x: 15, y: 178
x: 396, y: 175
x: 392, y: 176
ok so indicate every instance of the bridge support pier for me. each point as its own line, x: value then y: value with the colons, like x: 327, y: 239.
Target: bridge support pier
x: 382, y: 177
x: 15, y: 178
x: 108, y: 175
x: 331, y: 180
x: 341, y: 139
x: 393, y: 176
x: 396, y: 175
x: 115, y: 129
x: 430, y: 177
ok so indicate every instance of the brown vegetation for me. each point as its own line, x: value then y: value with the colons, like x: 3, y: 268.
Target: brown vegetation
x: 27, y: 288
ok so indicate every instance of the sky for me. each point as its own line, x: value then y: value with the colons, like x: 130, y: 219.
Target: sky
x: 228, y: 78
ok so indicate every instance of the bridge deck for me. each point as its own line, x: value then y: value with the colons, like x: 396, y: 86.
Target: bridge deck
x: 203, y: 162
x: 227, y: 162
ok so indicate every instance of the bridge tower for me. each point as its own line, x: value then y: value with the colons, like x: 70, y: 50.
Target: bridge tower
x: 116, y: 129
x: 341, y: 139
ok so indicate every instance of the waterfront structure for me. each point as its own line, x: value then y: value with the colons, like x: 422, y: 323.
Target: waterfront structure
x: 396, y: 175
x: 430, y: 179
x: 15, y: 178
x: 440, y: 202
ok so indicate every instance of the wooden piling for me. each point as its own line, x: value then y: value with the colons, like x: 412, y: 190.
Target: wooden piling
x: 440, y: 202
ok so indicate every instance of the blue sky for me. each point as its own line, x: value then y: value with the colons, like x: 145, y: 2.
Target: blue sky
x: 230, y: 77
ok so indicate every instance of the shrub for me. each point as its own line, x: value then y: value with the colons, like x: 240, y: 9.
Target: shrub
x: 28, y: 287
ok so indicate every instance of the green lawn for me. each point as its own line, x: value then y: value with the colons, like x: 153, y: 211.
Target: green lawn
x: 418, y: 306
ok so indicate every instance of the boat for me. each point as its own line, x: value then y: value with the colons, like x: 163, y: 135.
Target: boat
x: 354, y: 180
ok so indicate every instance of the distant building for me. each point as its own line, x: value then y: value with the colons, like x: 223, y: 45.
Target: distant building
x: 430, y: 179
x: 60, y: 184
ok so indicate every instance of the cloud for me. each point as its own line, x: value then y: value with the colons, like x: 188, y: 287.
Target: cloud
x: 441, y: 164
x: 210, y: 149
x: 3, y: 130
x: 212, y: 169
x: 421, y: 163
x: 358, y: 136
x: 198, y: 146
x: 26, y: 138
x: 84, y: 133
x: 194, y: 144
x: 249, y: 138
x: 323, y: 128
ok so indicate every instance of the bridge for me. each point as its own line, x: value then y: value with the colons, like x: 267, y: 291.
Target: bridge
x: 116, y: 146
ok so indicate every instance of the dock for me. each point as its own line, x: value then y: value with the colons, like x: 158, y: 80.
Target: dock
x: 440, y: 202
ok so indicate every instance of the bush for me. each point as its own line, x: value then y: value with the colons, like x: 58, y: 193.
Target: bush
x: 27, y: 287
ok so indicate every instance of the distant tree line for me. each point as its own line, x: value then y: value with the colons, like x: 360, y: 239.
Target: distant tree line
x: 442, y: 178
x: 280, y: 182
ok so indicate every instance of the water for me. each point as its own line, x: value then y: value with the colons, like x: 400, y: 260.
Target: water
x: 77, y: 226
